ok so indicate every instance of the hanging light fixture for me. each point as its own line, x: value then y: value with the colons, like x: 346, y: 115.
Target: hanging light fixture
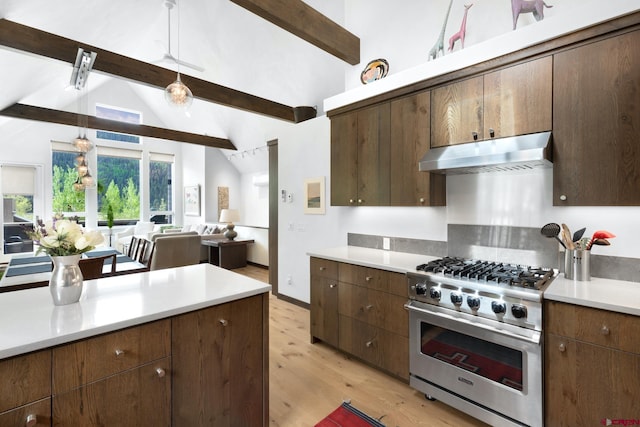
x: 177, y: 94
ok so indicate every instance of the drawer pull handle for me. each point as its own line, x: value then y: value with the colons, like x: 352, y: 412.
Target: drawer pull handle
x: 421, y: 199
x: 369, y: 344
x: 223, y: 322
x: 161, y: 372
x: 474, y: 135
x: 333, y: 285
x: 369, y: 307
x: 119, y: 353
x: 368, y: 278
x: 604, y: 330
x: 492, y: 133
x: 32, y: 420
x: 562, y: 347
x: 351, y: 201
x: 323, y: 268
x: 360, y: 201
x: 563, y: 197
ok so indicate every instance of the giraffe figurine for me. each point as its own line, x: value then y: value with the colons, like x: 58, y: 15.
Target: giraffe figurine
x: 439, y: 45
x: 463, y: 29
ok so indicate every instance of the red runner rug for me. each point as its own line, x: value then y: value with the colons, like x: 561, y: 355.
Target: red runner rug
x: 348, y: 416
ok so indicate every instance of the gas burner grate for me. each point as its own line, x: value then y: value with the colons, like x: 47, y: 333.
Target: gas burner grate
x: 489, y: 272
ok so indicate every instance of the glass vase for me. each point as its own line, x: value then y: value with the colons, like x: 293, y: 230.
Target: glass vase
x: 66, y: 280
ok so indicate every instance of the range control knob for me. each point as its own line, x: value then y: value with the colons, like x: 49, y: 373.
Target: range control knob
x: 435, y: 293
x: 473, y: 302
x: 421, y: 289
x: 456, y: 299
x: 519, y: 311
x: 498, y: 307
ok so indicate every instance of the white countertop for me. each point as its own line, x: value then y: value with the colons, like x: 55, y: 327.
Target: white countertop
x: 606, y: 294
x: 399, y: 262
x: 30, y: 321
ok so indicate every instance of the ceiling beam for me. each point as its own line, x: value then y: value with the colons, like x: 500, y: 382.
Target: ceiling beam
x: 32, y: 40
x: 41, y: 114
x: 302, y: 20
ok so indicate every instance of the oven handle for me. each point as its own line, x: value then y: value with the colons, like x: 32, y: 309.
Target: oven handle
x: 535, y: 339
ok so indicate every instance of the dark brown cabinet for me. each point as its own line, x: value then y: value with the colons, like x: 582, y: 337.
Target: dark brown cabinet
x: 592, y: 363
x: 360, y: 144
x: 363, y: 315
x: 25, y: 390
x: 596, y: 111
x: 96, y: 380
x: 410, y: 139
x: 219, y: 357
x: 511, y: 101
x: 324, y: 301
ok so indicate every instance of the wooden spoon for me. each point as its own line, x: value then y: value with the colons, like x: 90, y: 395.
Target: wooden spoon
x: 566, y: 237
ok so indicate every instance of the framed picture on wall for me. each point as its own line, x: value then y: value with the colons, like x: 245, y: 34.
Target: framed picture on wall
x: 314, y: 199
x: 192, y: 200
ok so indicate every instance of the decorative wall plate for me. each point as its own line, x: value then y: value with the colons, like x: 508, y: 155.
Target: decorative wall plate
x: 375, y: 70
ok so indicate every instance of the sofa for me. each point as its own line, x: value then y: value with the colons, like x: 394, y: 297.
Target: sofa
x: 175, y: 250
x: 141, y: 230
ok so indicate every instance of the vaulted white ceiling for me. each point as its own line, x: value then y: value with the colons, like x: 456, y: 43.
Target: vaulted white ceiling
x: 236, y: 48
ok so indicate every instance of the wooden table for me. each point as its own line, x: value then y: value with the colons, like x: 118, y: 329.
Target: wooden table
x: 228, y: 254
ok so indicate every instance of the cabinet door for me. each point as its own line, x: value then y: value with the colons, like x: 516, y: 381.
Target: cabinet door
x: 586, y: 383
x: 344, y: 159
x: 137, y: 397
x: 25, y: 379
x: 374, y: 133
x: 456, y: 113
x: 517, y: 100
x: 218, y: 355
x: 410, y: 138
x: 324, y: 310
x: 596, y: 111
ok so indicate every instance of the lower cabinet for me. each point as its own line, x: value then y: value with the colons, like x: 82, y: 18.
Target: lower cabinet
x: 220, y: 359
x: 592, y: 366
x: 208, y: 367
x: 360, y: 311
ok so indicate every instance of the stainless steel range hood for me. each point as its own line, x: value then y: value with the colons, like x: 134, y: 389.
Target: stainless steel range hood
x: 524, y: 152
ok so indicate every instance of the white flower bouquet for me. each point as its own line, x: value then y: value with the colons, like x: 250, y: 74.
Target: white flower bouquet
x: 63, y: 237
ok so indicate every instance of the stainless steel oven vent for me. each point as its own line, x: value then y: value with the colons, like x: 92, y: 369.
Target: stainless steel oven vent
x: 518, y: 153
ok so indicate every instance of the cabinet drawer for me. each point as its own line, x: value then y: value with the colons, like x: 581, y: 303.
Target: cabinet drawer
x: 376, y: 308
x: 324, y: 268
x: 25, y: 379
x: 89, y: 360
x: 602, y: 327
x: 381, y: 348
x: 371, y: 278
x: 137, y: 397
x: 41, y: 410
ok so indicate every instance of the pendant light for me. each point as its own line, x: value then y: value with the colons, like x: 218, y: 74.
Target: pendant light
x: 177, y: 94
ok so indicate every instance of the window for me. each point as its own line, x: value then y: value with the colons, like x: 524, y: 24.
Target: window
x: 18, y: 189
x: 161, y: 188
x: 119, y: 177
x: 113, y: 113
x: 65, y: 199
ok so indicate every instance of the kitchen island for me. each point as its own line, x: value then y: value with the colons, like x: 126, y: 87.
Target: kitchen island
x: 180, y: 346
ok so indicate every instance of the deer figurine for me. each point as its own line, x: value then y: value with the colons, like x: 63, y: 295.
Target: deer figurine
x: 463, y: 29
x: 439, y: 45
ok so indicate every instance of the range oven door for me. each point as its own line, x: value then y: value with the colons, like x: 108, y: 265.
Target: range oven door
x: 491, y: 370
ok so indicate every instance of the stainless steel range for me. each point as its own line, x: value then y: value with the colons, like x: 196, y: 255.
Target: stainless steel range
x: 476, y: 337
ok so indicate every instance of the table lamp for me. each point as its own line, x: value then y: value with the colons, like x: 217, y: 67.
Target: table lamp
x: 228, y: 216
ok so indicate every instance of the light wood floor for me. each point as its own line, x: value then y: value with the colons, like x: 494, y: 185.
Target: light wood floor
x: 308, y: 381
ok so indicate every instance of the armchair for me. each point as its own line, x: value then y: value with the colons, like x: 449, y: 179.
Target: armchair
x: 140, y: 230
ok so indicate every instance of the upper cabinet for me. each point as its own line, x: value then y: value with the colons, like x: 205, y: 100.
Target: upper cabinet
x: 410, y: 139
x: 596, y: 117
x: 360, y: 145
x: 512, y: 101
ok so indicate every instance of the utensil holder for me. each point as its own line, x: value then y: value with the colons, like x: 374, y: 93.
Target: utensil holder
x: 576, y: 265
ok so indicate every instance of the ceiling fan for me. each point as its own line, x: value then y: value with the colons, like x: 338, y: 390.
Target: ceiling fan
x: 168, y: 56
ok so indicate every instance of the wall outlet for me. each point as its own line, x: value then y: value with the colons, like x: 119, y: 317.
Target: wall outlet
x: 386, y: 243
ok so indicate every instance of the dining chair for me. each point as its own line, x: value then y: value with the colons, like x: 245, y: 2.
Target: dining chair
x: 134, y: 245
x: 146, y: 255
x: 92, y: 267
